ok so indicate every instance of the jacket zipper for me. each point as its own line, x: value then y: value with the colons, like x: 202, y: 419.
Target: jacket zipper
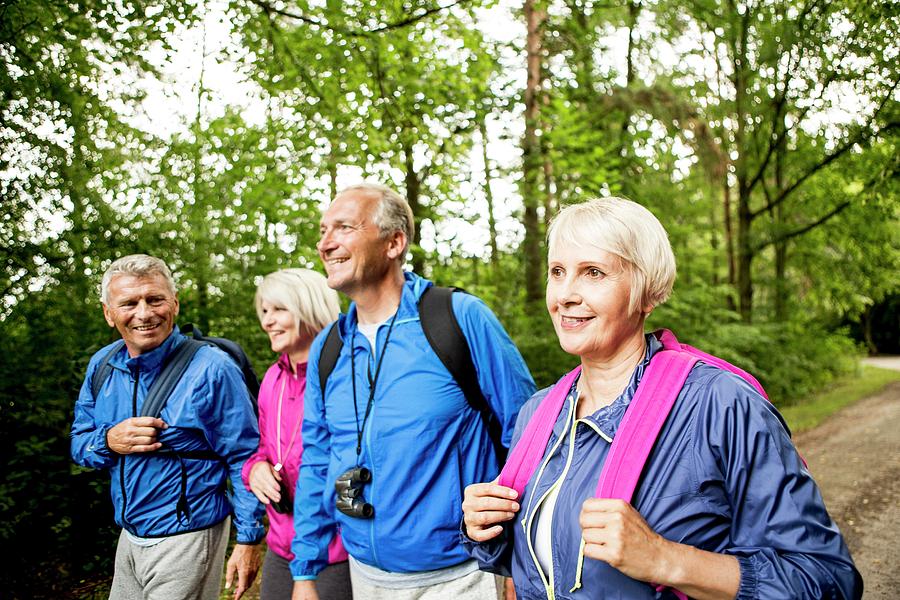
x: 579, y: 564
x: 528, y: 522
x: 368, y: 441
x: 134, y: 394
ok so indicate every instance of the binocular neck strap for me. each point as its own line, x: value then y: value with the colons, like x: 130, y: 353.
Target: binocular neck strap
x: 373, y: 381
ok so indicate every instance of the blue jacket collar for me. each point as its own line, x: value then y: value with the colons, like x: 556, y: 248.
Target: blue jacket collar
x: 148, y: 361
x: 413, y: 288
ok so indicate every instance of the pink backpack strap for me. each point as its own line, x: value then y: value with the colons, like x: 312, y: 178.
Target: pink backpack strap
x: 526, y: 455
x: 643, y: 420
x: 669, y: 342
x: 640, y: 427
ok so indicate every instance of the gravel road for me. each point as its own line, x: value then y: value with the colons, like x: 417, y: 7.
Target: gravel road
x: 855, y: 458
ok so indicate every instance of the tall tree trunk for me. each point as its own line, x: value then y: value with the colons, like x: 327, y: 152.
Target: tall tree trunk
x: 332, y: 177
x: 729, y: 231
x: 489, y: 196
x: 744, y: 212
x: 199, y: 222
x: 534, y: 264
x: 744, y: 260
x: 781, y: 246
x: 634, y: 9
x: 550, y: 202
x: 727, y: 224
x: 413, y: 196
x: 867, y: 331
x: 714, y: 243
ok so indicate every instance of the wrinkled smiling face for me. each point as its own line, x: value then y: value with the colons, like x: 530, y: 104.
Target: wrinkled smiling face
x: 588, y: 294
x: 351, y: 246
x: 143, y: 309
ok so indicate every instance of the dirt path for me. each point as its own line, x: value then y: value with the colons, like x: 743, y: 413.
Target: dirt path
x: 855, y: 458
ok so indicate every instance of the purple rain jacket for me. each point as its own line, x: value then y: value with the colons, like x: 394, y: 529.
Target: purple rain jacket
x: 723, y: 476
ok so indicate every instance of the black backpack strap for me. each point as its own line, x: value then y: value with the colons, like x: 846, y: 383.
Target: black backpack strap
x: 175, y: 366
x: 331, y: 349
x: 104, y: 369
x: 237, y: 354
x: 449, y: 342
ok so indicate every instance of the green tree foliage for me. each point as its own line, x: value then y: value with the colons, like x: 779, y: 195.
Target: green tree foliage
x: 225, y: 208
x: 784, y: 72
x: 60, y: 140
x: 398, y: 97
x: 729, y: 121
x: 62, y: 155
x: 57, y: 517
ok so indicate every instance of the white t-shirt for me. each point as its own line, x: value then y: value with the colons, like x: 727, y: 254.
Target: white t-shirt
x: 370, y: 330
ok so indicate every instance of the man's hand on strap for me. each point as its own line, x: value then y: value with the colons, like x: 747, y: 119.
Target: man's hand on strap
x: 137, y: 434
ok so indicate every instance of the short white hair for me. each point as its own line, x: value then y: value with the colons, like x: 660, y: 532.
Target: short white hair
x: 304, y: 293
x: 629, y: 231
x: 138, y: 265
x: 392, y: 213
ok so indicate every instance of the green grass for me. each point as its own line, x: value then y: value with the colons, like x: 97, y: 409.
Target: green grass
x: 808, y: 412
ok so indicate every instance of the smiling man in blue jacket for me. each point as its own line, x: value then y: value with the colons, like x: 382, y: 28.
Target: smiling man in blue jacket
x: 392, y: 429
x: 169, y: 474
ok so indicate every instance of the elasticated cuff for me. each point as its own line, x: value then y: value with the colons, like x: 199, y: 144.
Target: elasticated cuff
x: 99, y: 448
x: 250, y: 536
x: 749, y: 588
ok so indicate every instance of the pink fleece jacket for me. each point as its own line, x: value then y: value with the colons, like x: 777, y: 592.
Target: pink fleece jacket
x: 281, y: 527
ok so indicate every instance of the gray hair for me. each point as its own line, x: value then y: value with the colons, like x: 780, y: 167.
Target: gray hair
x: 393, y: 212
x: 138, y: 265
x: 304, y: 293
x: 629, y: 231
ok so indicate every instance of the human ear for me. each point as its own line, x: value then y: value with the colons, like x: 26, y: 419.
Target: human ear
x: 107, y: 314
x: 397, y: 242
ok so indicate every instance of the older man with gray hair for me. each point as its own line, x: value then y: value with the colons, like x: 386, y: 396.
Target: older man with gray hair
x: 393, y: 433
x: 169, y: 469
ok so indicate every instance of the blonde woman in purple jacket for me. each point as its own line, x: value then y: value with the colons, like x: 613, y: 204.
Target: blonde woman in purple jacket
x: 293, y: 305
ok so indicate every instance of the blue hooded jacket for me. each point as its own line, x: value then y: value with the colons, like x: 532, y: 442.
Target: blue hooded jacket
x: 157, y: 493
x: 723, y: 477
x: 422, y: 441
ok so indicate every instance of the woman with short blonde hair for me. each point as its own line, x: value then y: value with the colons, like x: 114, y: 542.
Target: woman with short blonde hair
x: 302, y: 292
x: 723, y: 507
x: 293, y: 306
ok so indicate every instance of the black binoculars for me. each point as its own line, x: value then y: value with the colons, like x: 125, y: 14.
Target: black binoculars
x: 285, y: 506
x: 349, y: 493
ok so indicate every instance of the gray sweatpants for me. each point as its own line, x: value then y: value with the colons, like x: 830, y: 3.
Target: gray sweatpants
x: 477, y: 585
x: 180, y: 567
